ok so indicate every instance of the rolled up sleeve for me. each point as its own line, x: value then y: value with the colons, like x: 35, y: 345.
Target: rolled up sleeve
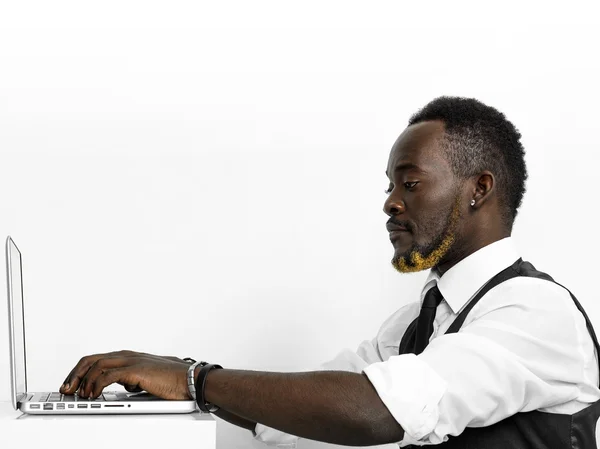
x: 516, y: 358
x: 411, y: 390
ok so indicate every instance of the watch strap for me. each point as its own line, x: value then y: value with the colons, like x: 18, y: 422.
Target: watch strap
x: 203, y: 405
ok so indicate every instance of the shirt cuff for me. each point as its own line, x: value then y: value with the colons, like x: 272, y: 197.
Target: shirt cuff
x: 411, y: 390
x: 274, y: 438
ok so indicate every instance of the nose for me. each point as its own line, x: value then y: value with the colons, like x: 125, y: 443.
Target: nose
x: 393, y: 206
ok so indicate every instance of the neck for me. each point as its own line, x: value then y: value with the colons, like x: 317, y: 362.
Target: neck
x: 468, y: 248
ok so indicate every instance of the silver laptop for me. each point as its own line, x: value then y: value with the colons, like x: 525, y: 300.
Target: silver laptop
x: 110, y: 402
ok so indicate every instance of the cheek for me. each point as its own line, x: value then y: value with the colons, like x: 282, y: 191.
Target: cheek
x: 432, y: 220
x: 426, y: 226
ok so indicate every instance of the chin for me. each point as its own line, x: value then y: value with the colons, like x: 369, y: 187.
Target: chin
x: 412, y: 260
x: 403, y: 264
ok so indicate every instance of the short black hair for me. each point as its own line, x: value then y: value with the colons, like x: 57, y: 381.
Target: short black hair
x: 477, y: 138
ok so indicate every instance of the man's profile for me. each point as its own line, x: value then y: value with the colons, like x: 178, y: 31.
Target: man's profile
x: 494, y: 353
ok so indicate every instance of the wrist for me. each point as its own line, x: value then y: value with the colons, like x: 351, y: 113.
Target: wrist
x: 196, y: 372
x: 200, y: 385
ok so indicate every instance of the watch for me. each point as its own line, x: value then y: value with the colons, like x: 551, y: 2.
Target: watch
x: 203, y: 405
x: 190, y: 375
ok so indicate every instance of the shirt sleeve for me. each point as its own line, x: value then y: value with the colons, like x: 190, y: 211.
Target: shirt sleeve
x: 519, y: 352
x: 347, y: 360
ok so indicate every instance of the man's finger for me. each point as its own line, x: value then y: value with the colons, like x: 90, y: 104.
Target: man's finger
x: 132, y: 388
x: 98, y: 368
x: 111, y: 376
x: 73, y: 380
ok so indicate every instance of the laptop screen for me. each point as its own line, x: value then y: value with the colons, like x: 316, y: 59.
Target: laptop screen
x: 16, y: 320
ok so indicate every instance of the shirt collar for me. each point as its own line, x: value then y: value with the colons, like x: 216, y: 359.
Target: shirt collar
x: 461, y: 282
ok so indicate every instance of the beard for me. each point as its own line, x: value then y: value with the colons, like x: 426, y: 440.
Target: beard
x: 422, y: 257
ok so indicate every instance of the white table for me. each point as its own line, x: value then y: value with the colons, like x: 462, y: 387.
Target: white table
x: 195, y: 430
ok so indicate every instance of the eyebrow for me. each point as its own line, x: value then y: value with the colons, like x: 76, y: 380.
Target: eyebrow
x: 405, y: 166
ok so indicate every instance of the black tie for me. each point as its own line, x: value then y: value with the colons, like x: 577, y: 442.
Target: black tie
x: 417, y: 335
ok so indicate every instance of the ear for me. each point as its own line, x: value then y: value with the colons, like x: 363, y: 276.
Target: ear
x: 485, y: 184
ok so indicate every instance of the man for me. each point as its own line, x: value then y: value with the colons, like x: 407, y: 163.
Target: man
x: 495, y: 354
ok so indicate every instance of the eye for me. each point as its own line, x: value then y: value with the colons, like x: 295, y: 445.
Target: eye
x: 407, y: 186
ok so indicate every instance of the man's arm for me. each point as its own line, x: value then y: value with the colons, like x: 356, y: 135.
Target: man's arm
x: 236, y: 420
x: 332, y: 406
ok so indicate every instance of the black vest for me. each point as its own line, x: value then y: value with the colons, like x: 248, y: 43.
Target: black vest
x: 533, y: 429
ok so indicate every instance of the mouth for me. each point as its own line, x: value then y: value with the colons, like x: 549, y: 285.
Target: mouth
x: 398, y: 233
x: 396, y: 230
x: 395, y: 227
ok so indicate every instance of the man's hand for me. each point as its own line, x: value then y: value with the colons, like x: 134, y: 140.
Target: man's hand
x: 165, y: 377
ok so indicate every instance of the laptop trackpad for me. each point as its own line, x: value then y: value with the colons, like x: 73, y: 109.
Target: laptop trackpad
x: 143, y: 396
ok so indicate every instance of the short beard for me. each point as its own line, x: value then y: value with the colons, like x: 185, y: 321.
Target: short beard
x: 424, y: 257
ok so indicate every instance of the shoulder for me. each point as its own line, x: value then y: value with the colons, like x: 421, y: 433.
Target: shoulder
x: 537, y: 307
x: 529, y: 292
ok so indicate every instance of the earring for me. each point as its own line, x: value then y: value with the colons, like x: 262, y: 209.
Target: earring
x: 472, y: 202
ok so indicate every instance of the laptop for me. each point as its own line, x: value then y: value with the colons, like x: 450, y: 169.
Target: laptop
x: 110, y: 402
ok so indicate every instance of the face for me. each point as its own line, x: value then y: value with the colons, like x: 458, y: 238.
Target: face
x: 424, y: 201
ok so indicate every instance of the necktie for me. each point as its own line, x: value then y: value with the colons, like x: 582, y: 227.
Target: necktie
x: 417, y: 335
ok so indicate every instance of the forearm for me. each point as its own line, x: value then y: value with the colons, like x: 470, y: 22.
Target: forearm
x: 332, y: 406
x: 236, y: 420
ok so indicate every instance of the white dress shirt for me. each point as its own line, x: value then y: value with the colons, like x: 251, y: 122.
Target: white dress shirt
x: 524, y: 346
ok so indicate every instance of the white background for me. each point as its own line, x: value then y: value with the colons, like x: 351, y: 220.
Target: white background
x: 206, y: 179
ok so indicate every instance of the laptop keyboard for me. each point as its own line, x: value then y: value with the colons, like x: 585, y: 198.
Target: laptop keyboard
x: 58, y: 397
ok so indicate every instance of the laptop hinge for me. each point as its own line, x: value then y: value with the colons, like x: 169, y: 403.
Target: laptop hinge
x: 24, y: 397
